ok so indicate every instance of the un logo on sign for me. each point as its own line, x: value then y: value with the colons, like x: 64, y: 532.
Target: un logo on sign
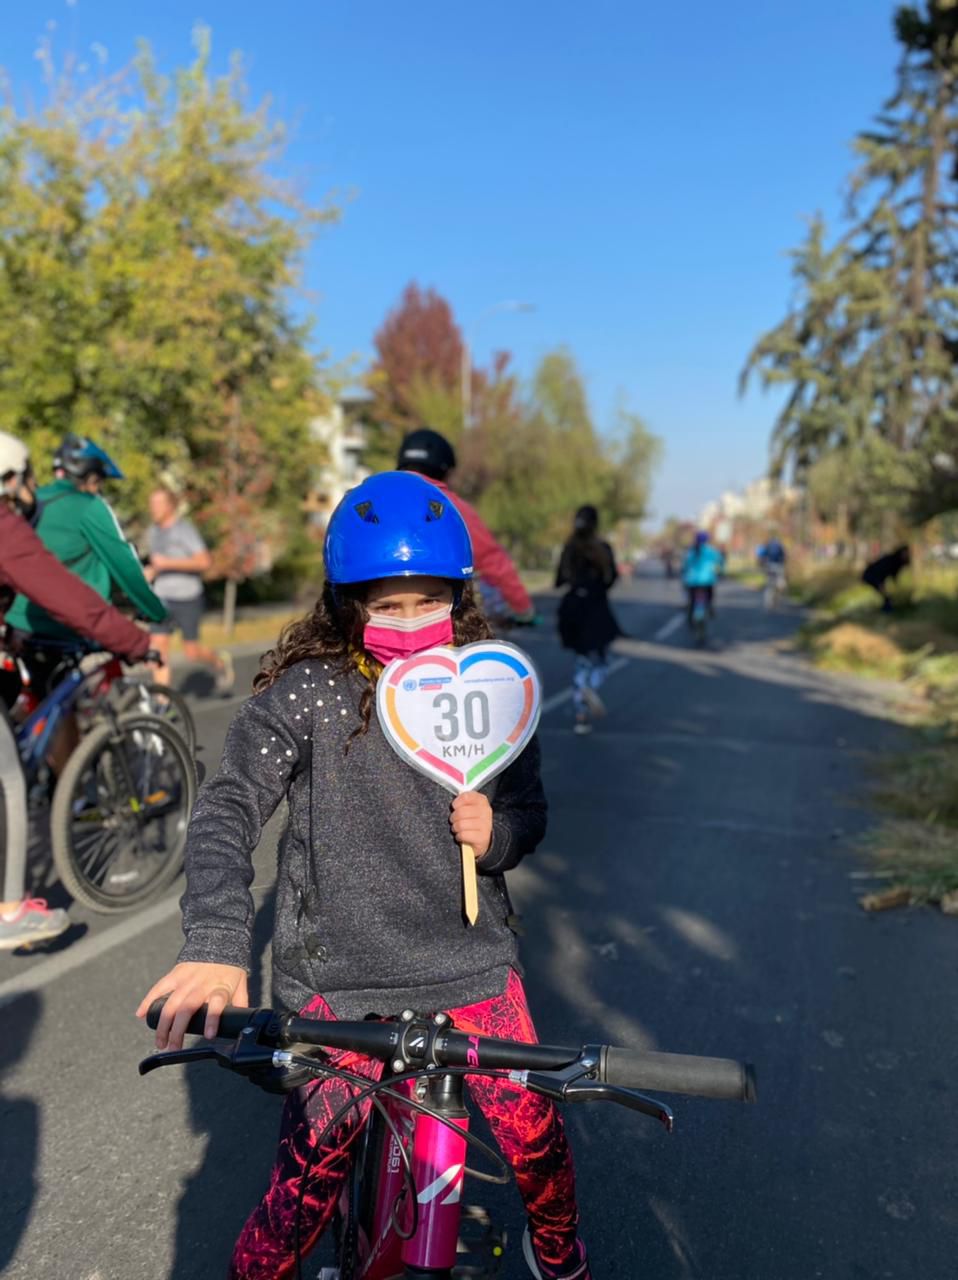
x: 409, y: 685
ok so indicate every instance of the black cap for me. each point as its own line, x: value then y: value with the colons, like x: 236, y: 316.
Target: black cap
x: 427, y: 452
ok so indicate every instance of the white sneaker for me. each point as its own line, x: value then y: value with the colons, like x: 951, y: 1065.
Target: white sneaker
x: 580, y: 1270
x: 582, y: 724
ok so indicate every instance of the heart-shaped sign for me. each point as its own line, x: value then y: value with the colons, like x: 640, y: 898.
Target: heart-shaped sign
x: 460, y: 716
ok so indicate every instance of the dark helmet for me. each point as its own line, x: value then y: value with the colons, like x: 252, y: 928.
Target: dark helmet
x: 427, y: 452
x: 396, y: 525
x: 79, y: 457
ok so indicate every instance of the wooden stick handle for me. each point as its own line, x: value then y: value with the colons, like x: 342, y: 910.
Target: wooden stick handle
x: 470, y: 887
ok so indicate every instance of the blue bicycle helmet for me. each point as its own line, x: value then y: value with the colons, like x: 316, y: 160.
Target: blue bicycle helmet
x: 396, y: 525
x: 79, y: 457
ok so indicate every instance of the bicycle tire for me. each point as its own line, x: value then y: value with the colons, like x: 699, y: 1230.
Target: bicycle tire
x: 101, y: 742
x: 181, y: 718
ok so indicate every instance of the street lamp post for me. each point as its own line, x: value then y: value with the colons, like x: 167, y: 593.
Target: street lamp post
x: 466, y: 371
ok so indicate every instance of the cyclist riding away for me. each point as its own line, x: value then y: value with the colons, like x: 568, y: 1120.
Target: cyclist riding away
x: 26, y: 566
x: 771, y: 559
x: 702, y: 569
x: 369, y: 916
x: 501, y: 591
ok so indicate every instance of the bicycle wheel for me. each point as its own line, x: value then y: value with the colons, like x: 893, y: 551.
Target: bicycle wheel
x: 152, y: 699
x: 120, y: 812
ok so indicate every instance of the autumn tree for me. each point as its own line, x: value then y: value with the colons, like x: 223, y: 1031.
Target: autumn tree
x: 416, y: 375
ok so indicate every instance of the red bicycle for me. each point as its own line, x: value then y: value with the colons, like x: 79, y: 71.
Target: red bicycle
x: 401, y: 1214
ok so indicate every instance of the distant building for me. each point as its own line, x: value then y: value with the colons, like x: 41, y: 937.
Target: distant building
x: 342, y: 433
x: 733, y: 516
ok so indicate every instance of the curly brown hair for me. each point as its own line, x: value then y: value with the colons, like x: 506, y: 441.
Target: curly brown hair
x: 333, y: 630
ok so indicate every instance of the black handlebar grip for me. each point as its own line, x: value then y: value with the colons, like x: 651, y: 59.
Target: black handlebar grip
x: 232, y: 1019
x: 680, y: 1073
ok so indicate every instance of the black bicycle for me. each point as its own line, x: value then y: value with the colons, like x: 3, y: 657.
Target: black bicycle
x: 400, y: 1213
x: 120, y: 808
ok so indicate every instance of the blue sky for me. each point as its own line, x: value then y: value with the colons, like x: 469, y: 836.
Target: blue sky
x: 636, y: 171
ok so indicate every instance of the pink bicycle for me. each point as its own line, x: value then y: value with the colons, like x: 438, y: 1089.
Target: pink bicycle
x: 401, y: 1214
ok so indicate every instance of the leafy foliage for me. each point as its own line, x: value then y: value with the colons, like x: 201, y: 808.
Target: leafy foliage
x: 148, y: 256
x: 530, y: 456
x: 869, y: 348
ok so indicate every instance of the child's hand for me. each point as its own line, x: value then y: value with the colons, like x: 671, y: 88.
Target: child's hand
x: 471, y: 821
x: 189, y: 986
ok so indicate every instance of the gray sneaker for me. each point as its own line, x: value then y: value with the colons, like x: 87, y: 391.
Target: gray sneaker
x: 33, y: 921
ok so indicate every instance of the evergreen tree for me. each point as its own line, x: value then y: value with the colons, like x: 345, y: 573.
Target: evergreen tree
x: 868, y: 351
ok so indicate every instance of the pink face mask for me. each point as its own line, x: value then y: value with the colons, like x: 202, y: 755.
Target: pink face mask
x: 386, y: 637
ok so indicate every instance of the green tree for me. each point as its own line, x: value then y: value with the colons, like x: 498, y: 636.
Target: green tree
x: 544, y: 457
x: 149, y: 253
x: 867, y: 352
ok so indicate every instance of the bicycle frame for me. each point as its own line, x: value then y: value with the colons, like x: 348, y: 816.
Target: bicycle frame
x: 438, y: 1158
x: 36, y: 733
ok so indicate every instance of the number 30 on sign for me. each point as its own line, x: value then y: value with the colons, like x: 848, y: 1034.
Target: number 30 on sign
x: 460, y: 716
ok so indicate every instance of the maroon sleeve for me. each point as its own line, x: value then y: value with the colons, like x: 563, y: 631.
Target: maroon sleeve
x: 28, y: 567
x: 492, y: 561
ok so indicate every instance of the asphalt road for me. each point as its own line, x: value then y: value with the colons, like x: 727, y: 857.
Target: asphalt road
x: 695, y: 892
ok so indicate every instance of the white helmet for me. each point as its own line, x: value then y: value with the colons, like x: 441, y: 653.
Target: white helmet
x: 14, y: 456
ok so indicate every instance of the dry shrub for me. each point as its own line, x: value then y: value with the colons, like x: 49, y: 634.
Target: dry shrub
x: 852, y: 647
x: 922, y: 856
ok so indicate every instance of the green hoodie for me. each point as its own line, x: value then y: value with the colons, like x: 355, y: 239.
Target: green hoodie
x: 82, y: 532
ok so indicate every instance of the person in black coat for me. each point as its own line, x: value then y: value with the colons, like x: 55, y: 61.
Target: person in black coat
x: 886, y: 568
x: 587, y: 624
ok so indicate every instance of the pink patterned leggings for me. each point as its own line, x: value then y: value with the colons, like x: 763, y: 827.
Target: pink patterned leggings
x: 528, y: 1129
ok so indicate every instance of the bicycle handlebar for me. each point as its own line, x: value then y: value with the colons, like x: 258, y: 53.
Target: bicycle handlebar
x: 405, y: 1040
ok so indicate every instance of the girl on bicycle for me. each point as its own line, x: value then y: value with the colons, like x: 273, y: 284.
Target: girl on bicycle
x: 368, y: 916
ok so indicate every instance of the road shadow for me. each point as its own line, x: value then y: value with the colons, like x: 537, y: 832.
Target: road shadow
x: 695, y: 894
x: 20, y: 1118
x: 242, y: 1124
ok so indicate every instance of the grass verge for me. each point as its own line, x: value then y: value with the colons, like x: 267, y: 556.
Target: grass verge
x: 917, y: 643
x: 914, y: 848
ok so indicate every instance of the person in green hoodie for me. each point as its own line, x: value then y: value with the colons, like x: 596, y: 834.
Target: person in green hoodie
x: 78, y: 526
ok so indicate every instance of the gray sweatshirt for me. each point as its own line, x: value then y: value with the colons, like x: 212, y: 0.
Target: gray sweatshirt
x: 369, y: 882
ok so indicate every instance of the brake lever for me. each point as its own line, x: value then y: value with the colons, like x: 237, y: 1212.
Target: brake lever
x: 594, y: 1091
x: 575, y: 1083
x: 176, y: 1057
x: 245, y: 1056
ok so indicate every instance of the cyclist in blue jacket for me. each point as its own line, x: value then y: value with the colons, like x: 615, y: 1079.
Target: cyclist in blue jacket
x: 703, y: 566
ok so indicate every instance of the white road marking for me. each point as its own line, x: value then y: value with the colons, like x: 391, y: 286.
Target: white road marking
x: 672, y: 625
